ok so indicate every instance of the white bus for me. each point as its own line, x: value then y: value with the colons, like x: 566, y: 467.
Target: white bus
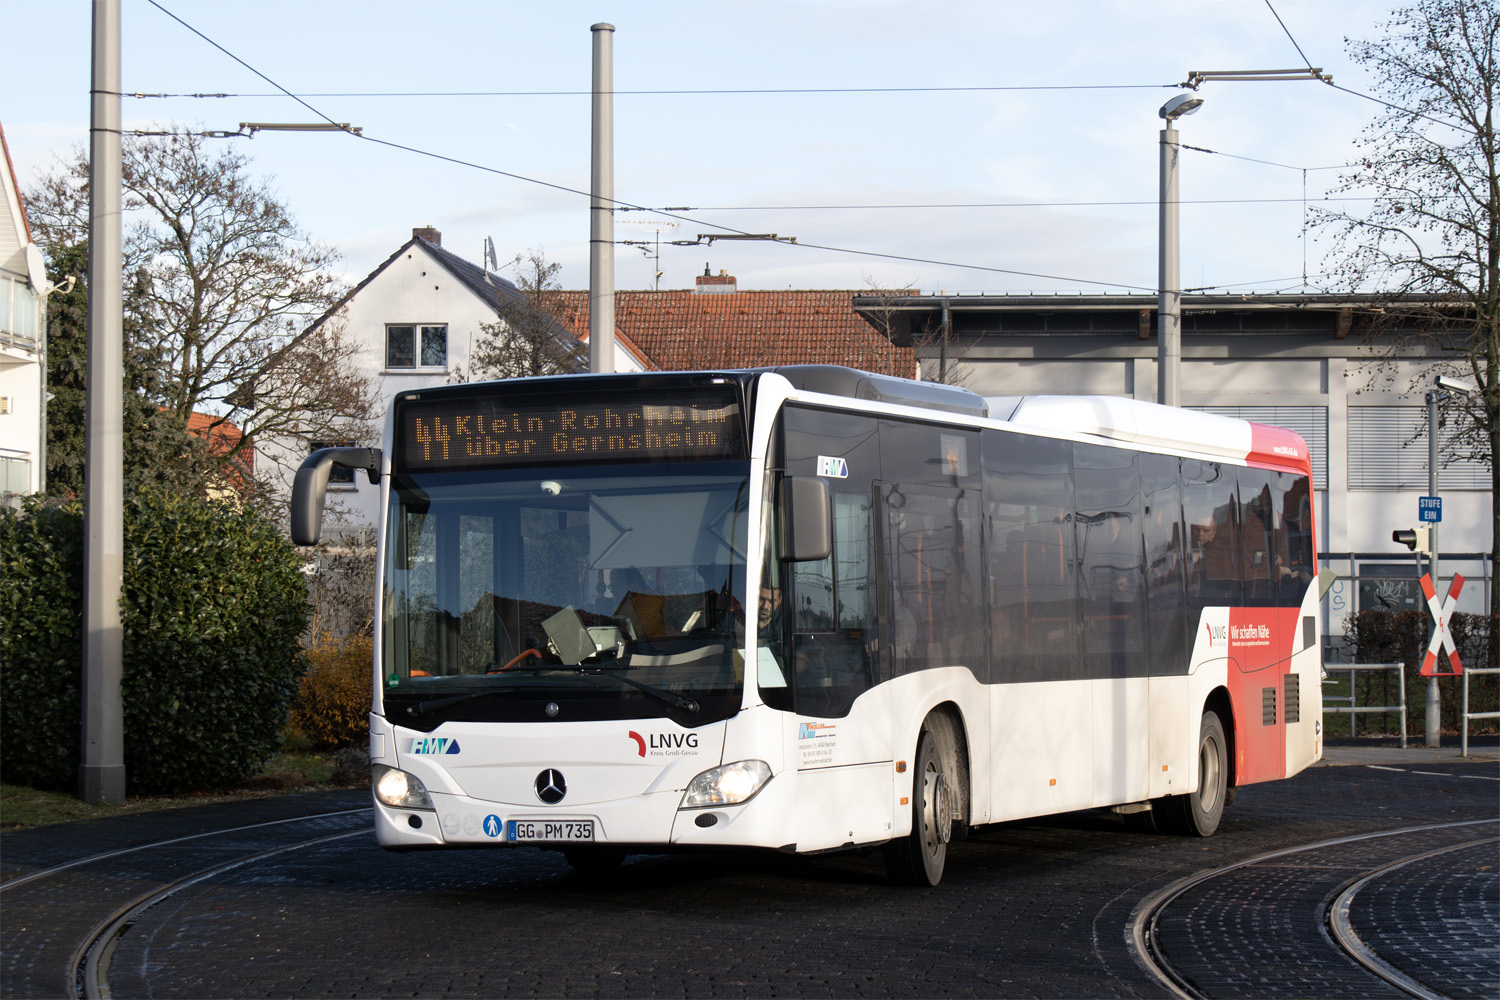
x: 810, y: 609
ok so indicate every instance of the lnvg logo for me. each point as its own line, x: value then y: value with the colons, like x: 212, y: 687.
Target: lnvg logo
x: 1216, y: 635
x: 432, y: 745
x: 665, y: 744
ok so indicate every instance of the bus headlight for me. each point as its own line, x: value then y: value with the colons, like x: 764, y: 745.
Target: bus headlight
x: 397, y: 788
x: 727, y: 785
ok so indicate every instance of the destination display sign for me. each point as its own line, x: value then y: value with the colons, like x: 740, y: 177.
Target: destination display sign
x: 477, y: 432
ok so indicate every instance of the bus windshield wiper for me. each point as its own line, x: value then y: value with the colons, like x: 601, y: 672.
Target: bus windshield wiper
x: 675, y: 700
x: 434, y: 705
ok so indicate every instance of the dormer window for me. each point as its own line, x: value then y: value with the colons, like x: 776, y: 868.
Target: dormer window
x: 416, y: 346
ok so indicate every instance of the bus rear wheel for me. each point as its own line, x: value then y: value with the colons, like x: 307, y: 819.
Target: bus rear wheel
x: 918, y: 858
x: 1197, y: 814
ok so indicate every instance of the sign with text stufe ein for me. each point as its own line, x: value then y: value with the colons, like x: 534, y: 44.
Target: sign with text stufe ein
x: 479, y: 431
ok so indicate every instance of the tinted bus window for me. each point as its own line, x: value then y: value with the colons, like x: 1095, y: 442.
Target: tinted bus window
x: 1209, y: 508
x: 932, y: 545
x: 1111, y: 571
x: 831, y: 604
x: 1258, y: 517
x: 1296, y: 515
x: 1166, y: 597
x: 1030, y: 572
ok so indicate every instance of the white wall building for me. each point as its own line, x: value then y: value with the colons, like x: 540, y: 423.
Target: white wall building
x: 23, y: 322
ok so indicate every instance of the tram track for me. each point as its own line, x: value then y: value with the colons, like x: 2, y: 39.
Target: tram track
x: 88, y: 936
x: 1146, y: 936
x: 51, y: 870
x: 91, y: 958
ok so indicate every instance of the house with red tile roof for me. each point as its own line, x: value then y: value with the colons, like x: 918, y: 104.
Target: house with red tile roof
x: 716, y: 325
x: 225, y: 438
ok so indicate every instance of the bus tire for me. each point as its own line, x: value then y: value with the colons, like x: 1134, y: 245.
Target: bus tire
x: 918, y: 858
x: 1197, y: 814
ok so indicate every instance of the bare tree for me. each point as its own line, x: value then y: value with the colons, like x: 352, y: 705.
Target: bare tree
x: 891, y: 323
x: 530, y: 336
x: 1429, y: 241
x: 939, y: 357
x: 226, y: 281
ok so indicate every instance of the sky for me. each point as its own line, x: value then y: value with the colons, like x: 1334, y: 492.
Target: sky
x: 995, y: 146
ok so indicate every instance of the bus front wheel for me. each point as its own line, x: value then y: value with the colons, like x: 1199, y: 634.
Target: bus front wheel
x: 918, y: 858
x: 1197, y: 814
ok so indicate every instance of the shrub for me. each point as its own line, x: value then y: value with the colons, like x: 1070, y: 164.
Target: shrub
x: 332, y: 708
x: 212, y: 603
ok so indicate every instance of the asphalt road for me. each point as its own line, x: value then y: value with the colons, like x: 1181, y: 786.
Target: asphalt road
x: 1040, y: 908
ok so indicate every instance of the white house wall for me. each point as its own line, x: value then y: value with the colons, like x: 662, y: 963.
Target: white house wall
x: 22, y: 333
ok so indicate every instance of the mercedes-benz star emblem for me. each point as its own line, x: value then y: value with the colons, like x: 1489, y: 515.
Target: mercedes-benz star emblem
x: 550, y: 786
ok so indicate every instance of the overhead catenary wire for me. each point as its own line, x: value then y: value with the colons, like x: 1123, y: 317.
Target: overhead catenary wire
x: 1284, y: 28
x: 627, y: 206
x: 572, y: 190
x: 693, y: 92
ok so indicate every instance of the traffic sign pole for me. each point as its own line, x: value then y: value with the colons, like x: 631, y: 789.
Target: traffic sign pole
x: 1434, y: 716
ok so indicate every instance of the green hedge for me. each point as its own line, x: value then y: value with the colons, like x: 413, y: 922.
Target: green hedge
x: 213, y: 601
x: 1391, y: 636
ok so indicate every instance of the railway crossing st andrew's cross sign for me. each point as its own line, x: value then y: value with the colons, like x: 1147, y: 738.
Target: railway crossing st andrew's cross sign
x: 1442, y: 611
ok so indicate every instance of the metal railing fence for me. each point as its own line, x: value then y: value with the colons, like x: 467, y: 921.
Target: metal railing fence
x: 1467, y: 715
x: 1354, y: 709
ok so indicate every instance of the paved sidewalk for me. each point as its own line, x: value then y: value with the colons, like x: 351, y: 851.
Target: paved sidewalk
x: 1483, y: 750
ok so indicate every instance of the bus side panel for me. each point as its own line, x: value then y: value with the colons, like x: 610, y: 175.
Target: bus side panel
x: 843, y: 806
x: 1260, y: 648
x: 1173, y: 748
x: 1122, y: 743
x: 1304, y: 736
x: 1042, y: 748
x: 842, y: 769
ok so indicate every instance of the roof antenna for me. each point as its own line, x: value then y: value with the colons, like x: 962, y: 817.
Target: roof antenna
x: 490, y: 261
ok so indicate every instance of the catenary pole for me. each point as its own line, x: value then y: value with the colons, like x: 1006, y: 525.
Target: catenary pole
x: 1169, y: 294
x: 601, y: 206
x: 1434, y: 720
x: 102, y: 770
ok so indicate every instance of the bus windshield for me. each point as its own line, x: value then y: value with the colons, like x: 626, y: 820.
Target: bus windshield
x: 599, y: 592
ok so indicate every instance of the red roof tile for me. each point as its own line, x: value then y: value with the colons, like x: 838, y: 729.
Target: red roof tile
x: 680, y: 330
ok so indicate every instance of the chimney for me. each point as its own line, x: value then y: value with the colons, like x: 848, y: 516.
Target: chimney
x: 709, y: 284
x: 429, y: 234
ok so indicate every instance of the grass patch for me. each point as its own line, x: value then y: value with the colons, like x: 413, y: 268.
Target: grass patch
x: 22, y: 808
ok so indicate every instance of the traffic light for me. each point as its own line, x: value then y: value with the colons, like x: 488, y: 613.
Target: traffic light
x: 1413, y: 538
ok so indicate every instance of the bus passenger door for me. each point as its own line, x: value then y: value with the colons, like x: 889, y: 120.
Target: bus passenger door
x: 844, y: 781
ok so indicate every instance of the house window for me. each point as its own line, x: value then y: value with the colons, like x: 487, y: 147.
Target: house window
x: 338, y: 475
x: 416, y: 346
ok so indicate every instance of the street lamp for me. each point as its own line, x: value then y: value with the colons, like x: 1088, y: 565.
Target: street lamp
x: 1169, y: 296
x: 1443, y: 386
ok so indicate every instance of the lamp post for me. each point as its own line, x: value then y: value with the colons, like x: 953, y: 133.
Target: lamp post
x: 1442, y: 387
x: 1169, y: 296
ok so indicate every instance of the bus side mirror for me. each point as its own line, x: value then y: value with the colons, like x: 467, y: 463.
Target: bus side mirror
x: 1326, y: 579
x: 806, y: 526
x: 311, y: 485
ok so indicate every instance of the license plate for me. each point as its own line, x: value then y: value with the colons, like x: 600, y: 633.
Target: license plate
x: 549, y: 829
